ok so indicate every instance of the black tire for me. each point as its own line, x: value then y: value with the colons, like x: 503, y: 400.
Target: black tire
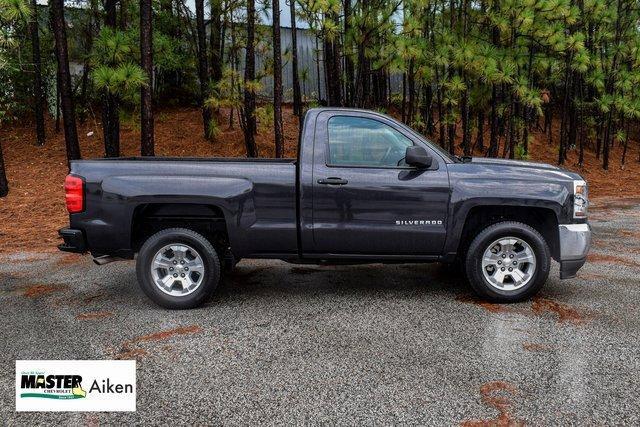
x: 503, y: 229
x: 206, y: 251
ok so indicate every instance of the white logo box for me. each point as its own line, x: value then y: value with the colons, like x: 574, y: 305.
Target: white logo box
x: 75, y: 385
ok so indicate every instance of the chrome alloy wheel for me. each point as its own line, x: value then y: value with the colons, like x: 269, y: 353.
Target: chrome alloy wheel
x: 177, y: 269
x: 508, y: 263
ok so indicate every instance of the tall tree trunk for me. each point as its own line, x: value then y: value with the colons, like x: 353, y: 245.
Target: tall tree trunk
x: 403, y: 106
x: 277, y: 81
x: 4, y: 184
x: 146, y: 62
x: 234, y: 58
x: 425, y: 110
x: 297, y: 96
x: 110, y: 101
x: 348, y: 60
x: 493, y: 126
x: 318, y: 70
x: 441, y: 124
x: 203, y: 68
x: 563, y: 122
x: 332, y: 59
x: 607, y: 141
x: 480, y: 136
x: 38, y: 93
x: 86, y: 65
x: 626, y: 142
x: 249, y: 117
x: 57, y: 99
x: 412, y: 92
x: 122, y: 25
x: 216, y: 40
x: 363, y: 76
x: 56, y: 11
x: 464, y: 113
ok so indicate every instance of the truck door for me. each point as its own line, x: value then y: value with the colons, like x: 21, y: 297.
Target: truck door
x: 366, y: 200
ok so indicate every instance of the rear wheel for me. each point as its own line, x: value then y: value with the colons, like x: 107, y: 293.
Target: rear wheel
x: 178, y: 268
x: 508, y: 262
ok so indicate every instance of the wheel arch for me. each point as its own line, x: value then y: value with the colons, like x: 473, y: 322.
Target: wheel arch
x: 206, y: 219
x: 543, y: 219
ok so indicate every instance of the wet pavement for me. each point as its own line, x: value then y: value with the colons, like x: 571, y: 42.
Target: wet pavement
x: 281, y: 343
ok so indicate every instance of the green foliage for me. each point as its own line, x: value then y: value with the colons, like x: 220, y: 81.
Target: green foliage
x: 123, y: 80
x: 521, y: 154
x: 264, y: 116
x: 14, y: 10
x: 115, y: 71
x: 15, y: 55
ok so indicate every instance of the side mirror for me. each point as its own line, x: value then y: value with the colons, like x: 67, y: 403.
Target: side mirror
x: 418, y: 157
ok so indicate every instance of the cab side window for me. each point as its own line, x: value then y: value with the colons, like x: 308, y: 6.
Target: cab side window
x: 357, y: 141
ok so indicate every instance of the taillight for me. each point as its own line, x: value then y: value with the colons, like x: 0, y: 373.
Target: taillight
x: 74, y: 193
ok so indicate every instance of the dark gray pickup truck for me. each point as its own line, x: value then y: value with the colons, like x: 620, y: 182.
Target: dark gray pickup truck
x: 364, y: 189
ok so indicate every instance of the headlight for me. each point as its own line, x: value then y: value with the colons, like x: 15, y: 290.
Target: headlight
x: 580, y: 199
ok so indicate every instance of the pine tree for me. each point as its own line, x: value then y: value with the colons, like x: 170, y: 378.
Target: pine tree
x: 216, y: 40
x: 277, y: 81
x: 4, y: 183
x: 203, y: 68
x: 38, y: 90
x: 110, y: 101
x: 146, y: 62
x: 56, y: 12
x: 249, y: 110
x: 297, y: 97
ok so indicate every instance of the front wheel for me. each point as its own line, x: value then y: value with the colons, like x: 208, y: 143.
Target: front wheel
x: 508, y: 262
x: 178, y: 268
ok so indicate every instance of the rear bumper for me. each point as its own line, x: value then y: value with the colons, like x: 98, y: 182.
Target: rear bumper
x: 74, y: 240
x: 575, y: 241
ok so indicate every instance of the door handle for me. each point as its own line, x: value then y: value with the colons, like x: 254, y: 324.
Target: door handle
x: 333, y: 181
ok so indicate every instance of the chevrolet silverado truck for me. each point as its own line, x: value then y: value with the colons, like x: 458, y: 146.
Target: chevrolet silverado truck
x: 364, y: 189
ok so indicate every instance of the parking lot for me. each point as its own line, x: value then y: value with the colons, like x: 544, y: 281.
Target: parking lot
x: 283, y: 343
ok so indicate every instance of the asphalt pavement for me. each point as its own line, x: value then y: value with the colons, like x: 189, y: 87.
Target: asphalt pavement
x: 290, y: 344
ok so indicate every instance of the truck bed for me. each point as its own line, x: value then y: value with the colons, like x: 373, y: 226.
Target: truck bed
x: 199, y: 159
x: 256, y: 196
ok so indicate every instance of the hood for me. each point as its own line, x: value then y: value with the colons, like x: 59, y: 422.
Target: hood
x: 481, y: 165
x: 515, y: 163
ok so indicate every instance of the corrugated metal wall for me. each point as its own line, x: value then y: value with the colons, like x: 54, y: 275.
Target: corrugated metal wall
x: 307, y: 60
x: 307, y: 64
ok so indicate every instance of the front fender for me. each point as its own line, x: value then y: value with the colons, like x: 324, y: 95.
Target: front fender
x: 472, y: 193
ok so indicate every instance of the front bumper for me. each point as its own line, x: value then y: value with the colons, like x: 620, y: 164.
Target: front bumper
x: 74, y: 240
x: 575, y: 240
